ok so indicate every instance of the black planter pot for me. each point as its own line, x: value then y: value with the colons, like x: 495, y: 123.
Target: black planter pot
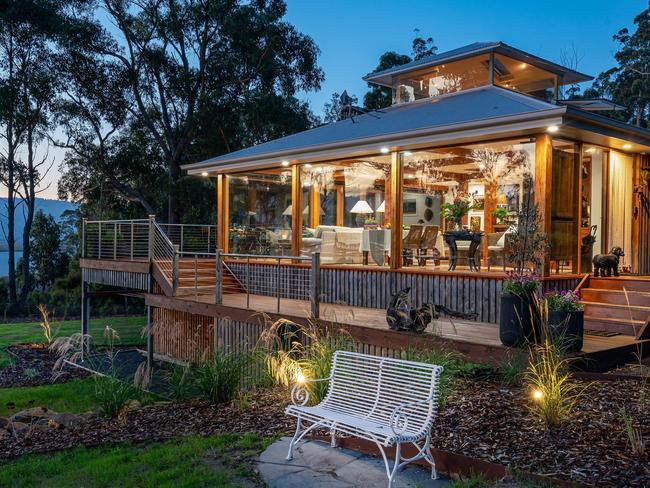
x: 518, y: 320
x: 567, y: 327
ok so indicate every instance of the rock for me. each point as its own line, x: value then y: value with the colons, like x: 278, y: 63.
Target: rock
x: 4, y: 422
x: 88, y: 416
x: 32, y: 415
x: 17, y: 428
x: 133, y: 405
x: 4, y: 434
x: 68, y: 420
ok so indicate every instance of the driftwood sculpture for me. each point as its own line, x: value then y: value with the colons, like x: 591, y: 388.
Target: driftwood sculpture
x: 401, y: 315
x: 606, y: 263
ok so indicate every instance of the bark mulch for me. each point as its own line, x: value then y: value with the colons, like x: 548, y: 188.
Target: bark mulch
x: 33, y: 365
x: 486, y: 421
x: 263, y: 415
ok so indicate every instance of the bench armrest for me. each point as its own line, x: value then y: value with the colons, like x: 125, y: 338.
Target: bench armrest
x: 399, y: 419
x: 300, y: 392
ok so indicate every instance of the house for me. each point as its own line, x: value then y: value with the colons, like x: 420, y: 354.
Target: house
x: 482, y: 127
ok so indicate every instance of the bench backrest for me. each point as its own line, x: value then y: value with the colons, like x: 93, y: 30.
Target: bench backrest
x: 372, y: 387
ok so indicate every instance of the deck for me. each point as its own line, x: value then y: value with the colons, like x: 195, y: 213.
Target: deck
x: 478, y: 341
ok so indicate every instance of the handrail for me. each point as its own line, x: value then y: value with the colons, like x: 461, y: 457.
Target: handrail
x: 265, y: 256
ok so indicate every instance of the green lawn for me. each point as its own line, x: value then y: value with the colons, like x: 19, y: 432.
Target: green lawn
x: 128, y: 328
x: 187, y: 462
x: 74, y: 396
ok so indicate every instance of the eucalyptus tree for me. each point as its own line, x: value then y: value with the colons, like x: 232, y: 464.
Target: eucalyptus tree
x: 201, y: 77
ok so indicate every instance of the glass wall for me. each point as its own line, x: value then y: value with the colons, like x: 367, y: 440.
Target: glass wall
x: 442, y: 79
x: 593, y: 179
x: 474, y: 189
x: 523, y: 77
x: 260, y: 212
x: 565, y: 207
x: 348, y: 209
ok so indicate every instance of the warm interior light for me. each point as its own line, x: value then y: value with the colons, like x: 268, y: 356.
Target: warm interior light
x: 300, y: 378
x: 285, y: 163
x: 552, y: 128
x: 537, y: 394
x: 361, y: 207
x: 307, y: 165
x: 204, y: 173
x: 523, y: 66
x: 627, y: 146
x: 381, y: 208
x: 591, y: 149
x: 384, y: 150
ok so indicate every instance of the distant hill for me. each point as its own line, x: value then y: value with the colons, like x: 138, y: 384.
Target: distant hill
x: 51, y: 207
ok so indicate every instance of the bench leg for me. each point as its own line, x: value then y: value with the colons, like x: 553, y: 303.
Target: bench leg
x: 396, y: 466
x: 296, y: 436
x: 333, y: 435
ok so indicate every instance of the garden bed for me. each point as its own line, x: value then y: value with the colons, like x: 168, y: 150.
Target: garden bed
x: 33, y: 365
x: 486, y: 421
x: 261, y: 412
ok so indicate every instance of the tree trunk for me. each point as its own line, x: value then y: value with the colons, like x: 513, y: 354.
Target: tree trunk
x: 174, y: 175
x: 30, y: 202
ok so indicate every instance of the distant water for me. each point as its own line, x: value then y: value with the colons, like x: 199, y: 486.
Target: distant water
x: 4, y: 262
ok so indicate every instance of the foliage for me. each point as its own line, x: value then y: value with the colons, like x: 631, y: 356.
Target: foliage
x: 521, y: 284
x: 180, y: 382
x: 527, y: 243
x: 501, y: 213
x: 292, y: 350
x: 113, y: 394
x: 628, y: 83
x: 333, y: 111
x: 554, y: 395
x: 633, y: 433
x: 221, y: 460
x: 456, y: 210
x: 73, y: 396
x: 219, y: 378
x: 565, y: 300
x: 48, y: 261
x: 512, y: 369
x: 46, y: 327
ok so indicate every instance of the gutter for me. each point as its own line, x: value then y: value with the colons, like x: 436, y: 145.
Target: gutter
x: 391, y: 138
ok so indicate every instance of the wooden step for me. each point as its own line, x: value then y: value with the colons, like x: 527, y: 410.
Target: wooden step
x: 622, y: 326
x: 618, y: 297
x: 630, y: 283
x: 616, y: 311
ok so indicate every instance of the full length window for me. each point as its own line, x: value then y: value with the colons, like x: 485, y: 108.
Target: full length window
x: 260, y: 212
x: 347, y: 208
x: 477, y: 188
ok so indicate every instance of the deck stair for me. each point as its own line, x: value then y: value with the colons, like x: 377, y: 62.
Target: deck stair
x: 198, y: 277
x: 618, y: 305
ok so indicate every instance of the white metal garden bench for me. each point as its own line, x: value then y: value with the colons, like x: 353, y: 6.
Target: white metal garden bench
x: 384, y: 400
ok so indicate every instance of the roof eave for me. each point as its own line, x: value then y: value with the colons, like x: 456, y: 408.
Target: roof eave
x: 613, y: 127
x: 538, y: 118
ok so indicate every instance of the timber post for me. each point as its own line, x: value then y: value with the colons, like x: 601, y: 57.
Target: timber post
x: 218, y: 284
x: 315, y: 285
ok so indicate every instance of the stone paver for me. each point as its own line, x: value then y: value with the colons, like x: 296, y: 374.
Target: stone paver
x: 316, y: 464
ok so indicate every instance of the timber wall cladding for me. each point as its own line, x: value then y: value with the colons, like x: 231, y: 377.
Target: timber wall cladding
x: 122, y: 279
x: 182, y: 335
x: 374, y: 289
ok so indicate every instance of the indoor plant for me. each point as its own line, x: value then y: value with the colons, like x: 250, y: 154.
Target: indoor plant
x: 457, y: 210
x: 565, y: 319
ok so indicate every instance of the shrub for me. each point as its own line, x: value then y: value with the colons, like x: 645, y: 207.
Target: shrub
x: 219, y: 378
x: 554, y: 394
x: 180, y: 382
x: 512, y: 370
x: 293, y: 350
x: 521, y: 284
x: 113, y: 395
x: 564, y: 301
x: 633, y: 433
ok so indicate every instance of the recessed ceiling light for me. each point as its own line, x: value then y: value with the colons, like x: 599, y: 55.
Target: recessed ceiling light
x: 408, y: 153
x: 384, y: 150
x: 307, y: 165
x: 552, y: 128
x: 204, y: 173
x: 591, y: 149
x: 523, y: 66
x: 285, y: 163
x: 627, y: 146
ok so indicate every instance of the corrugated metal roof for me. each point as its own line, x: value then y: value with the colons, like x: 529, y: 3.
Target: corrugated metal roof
x: 568, y: 75
x: 472, y: 105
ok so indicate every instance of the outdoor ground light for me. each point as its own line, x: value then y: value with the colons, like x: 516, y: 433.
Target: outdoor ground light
x: 538, y: 395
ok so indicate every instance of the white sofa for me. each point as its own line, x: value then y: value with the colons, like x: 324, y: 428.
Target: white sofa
x: 336, y: 244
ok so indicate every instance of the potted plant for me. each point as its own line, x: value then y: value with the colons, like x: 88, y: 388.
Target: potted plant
x: 501, y: 214
x: 565, y: 322
x: 519, y: 319
x: 519, y: 316
x: 370, y: 223
x: 457, y: 210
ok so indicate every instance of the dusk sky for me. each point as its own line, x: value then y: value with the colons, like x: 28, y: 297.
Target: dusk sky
x: 353, y: 34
